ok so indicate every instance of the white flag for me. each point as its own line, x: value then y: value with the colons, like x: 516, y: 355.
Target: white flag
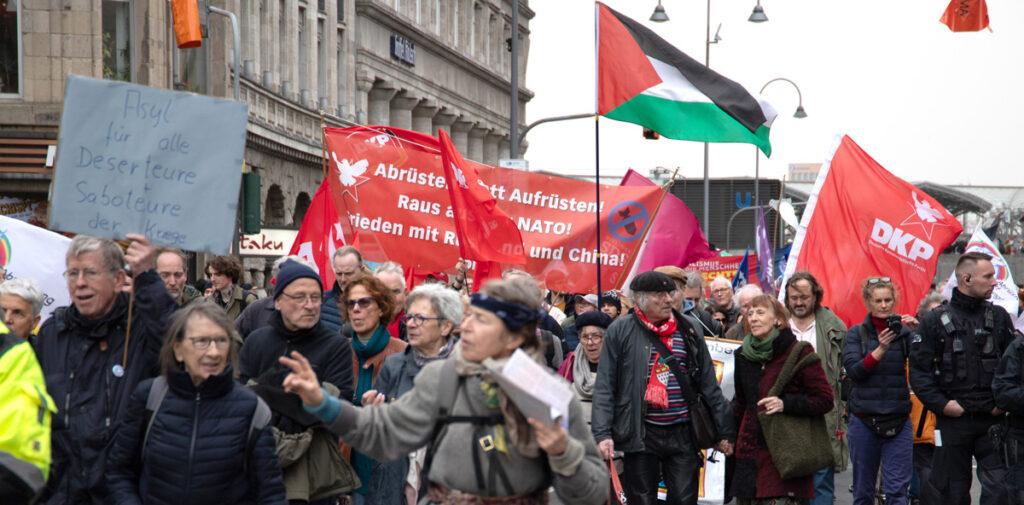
x: 31, y: 252
x: 1005, y: 293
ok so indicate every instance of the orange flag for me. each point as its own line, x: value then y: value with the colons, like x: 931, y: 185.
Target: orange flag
x: 966, y: 16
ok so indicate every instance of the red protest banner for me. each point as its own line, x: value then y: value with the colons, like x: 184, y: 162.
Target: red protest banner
x: 392, y: 188
x: 724, y: 266
x: 861, y: 222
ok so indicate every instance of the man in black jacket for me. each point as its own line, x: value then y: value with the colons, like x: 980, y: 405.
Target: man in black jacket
x: 296, y: 326
x: 1008, y: 388
x: 81, y: 350
x: 639, y: 407
x: 952, y: 366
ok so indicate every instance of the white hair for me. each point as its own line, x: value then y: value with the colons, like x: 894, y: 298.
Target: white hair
x: 720, y: 280
x: 110, y: 252
x: 390, y: 267
x: 280, y: 261
x: 748, y: 292
x: 446, y: 302
x: 27, y: 290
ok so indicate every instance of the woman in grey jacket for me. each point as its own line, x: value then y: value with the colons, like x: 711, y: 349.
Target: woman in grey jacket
x: 455, y: 406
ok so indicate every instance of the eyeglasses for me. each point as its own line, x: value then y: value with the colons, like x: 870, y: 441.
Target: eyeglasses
x: 591, y: 337
x: 879, y: 280
x: 88, y: 273
x: 203, y: 343
x: 363, y: 303
x: 418, y: 319
x: 304, y: 298
x: 721, y: 290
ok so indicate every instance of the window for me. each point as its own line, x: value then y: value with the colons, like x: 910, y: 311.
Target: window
x: 117, y: 40
x: 340, y: 55
x: 341, y: 10
x: 303, y: 51
x: 10, y: 47
x: 321, y: 60
x: 282, y: 44
x: 192, y: 70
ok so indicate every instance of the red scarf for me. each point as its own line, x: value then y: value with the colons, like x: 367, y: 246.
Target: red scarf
x: 657, y: 383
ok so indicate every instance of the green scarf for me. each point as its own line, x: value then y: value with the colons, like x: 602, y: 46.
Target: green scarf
x: 759, y: 350
x: 363, y: 464
x: 378, y: 341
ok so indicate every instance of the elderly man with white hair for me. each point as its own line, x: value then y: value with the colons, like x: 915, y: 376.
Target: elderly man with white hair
x: 94, y: 353
x: 393, y: 276
x: 722, y: 300
x: 21, y: 301
x: 639, y: 406
x: 743, y: 296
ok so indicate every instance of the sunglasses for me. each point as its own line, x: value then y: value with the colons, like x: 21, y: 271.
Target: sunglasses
x: 363, y: 303
x: 879, y: 280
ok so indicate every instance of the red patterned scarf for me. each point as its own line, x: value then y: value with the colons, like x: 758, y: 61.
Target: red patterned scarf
x: 657, y: 384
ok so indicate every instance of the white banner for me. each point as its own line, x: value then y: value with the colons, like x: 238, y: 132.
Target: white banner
x: 28, y: 251
x: 1005, y: 292
x: 711, y: 490
x: 268, y: 242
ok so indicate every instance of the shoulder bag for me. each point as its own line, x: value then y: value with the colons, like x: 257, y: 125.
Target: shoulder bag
x: 799, y: 445
x: 705, y: 433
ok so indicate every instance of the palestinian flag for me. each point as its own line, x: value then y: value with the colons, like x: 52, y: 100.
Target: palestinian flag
x: 643, y: 79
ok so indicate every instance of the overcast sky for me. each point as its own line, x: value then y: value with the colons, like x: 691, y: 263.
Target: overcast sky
x: 927, y: 103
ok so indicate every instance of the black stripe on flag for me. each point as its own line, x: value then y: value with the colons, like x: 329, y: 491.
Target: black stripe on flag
x: 726, y: 94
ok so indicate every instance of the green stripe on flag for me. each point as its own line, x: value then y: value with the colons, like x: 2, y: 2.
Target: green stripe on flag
x: 696, y: 121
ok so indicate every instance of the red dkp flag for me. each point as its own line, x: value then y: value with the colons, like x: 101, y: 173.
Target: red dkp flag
x: 860, y: 222
x: 486, y: 233
x: 966, y: 16
x: 320, y: 235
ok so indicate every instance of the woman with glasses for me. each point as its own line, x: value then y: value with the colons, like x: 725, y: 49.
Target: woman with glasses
x: 432, y: 312
x: 580, y: 366
x: 369, y: 307
x: 189, y: 436
x: 875, y: 356
x: 482, y: 449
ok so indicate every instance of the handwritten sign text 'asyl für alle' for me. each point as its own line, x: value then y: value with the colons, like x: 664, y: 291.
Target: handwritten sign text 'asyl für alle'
x: 135, y: 159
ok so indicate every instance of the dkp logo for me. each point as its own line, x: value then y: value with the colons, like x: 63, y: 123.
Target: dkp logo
x: 901, y: 242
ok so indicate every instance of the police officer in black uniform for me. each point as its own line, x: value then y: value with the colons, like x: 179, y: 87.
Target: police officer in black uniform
x: 953, y: 361
x: 1008, y: 388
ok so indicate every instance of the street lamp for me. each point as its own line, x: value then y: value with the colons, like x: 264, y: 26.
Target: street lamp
x: 659, y: 15
x: 799, y: 114
x: 758, y: 16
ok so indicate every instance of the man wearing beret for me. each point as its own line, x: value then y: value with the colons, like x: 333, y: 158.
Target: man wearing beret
x: 639, y: 407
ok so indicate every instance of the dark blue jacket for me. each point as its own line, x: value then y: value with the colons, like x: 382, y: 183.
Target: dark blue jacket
x: 77, y: 356
x: 197, y: 448
x: 330, y: 315
x: 882, y: 389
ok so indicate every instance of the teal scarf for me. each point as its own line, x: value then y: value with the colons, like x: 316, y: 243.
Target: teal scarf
x: 759, y: 350
x: 378, y: 341
x: 362, y: 463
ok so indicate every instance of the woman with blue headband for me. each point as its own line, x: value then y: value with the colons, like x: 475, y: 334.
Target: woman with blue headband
x: 481, y: 449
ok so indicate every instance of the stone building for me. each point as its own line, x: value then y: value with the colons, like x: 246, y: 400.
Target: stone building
x: 416, y: 64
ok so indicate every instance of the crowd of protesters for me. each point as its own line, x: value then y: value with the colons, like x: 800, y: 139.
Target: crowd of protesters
x: 150, y: 390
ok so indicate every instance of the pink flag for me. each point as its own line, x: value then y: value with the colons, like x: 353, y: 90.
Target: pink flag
x: 675, y: 237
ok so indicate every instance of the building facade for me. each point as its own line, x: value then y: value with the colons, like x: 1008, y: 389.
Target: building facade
x: 415, y: 64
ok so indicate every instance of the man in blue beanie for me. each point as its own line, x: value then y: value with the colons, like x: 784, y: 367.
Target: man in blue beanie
x: 296, y: 326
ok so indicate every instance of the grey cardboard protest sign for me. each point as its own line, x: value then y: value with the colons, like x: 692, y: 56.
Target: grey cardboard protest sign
x: 135, y: 159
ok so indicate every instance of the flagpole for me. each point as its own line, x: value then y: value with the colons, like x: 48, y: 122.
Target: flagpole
x: 597, y: 142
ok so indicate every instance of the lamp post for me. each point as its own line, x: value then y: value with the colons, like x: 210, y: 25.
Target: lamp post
x: 800, y: 113
x: 659, y: 15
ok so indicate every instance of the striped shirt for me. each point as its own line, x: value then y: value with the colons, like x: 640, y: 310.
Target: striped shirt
x: 677, y: 411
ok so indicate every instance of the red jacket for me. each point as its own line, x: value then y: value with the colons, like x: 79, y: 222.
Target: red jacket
x: 807, y: 394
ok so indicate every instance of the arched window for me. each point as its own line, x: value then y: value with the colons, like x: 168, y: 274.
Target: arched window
x: 301, y: 205
x: 273, y: 208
